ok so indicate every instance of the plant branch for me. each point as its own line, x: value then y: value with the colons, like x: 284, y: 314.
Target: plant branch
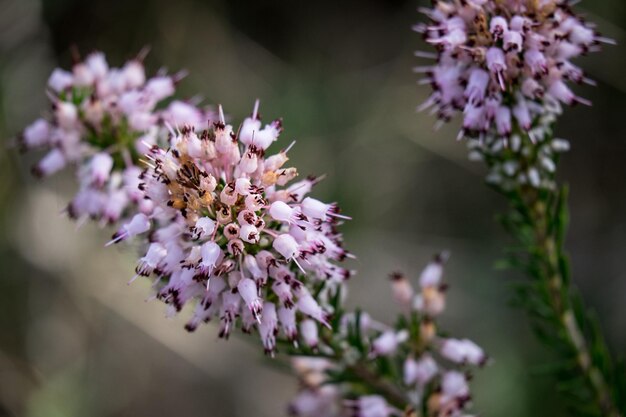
x: 360, y: 371
x: 391, y: 392
x: 539, y: 221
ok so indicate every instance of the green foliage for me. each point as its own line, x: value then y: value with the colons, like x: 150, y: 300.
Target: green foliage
x: 590, y: 381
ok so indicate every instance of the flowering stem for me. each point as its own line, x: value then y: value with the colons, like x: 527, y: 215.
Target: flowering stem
x: 356, y: 371
x: 538, y: 221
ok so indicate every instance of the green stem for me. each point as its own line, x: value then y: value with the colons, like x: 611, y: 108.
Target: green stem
x: 559, y: 290
x: 560, y: 299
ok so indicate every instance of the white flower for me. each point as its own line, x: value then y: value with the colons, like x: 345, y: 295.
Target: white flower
x: 268, y: 329
x: 420, y: 372
x: 248, y: 290
x: 371, y: 406
x: 156, y: 253
x: 140, y: 223
x: 387, y: 343
x: 36, y: 135
x: 432, y: 274
x: 463, y: 351
x: 402, y: 289
x: 316, y: 402
x: 308, y: 331
x: 60, y: 80
x: 454, y: 386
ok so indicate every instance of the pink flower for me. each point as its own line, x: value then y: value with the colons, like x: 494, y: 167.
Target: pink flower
x: 102, y: 119
x: 463, y: 351
x: 493, y: 48
x: 420, y: 371
x: 371, y: 406
x: 221, y: 208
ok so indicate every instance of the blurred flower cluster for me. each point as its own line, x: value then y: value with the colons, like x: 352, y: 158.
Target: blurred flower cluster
x: 506, y: 65
x: 231, y: 230
x: 370, y: 369
x: 102, y: 121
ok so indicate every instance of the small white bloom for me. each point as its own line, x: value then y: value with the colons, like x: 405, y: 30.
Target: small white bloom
x: 432, y: 274
x: 101, y: 165
x: 37, y: 134
x: 147, y: 264
x: 387, y: 343
x: 420, y: 372
x: 66, y: 114
x: 54, y: 161
x: 454, y: 385
x: 463, y: 351
x: 269, y: 327
x: 308, y: 331
x: 287, y: 246
x: 60, y: 80
x: 287, y: 319
x: 249, y: 293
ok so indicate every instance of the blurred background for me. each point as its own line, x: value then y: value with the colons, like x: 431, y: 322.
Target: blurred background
x: 75, y: 340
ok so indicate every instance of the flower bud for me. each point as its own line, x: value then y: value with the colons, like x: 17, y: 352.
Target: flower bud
x: 37, y: 134
x: 249, y: 233
x: 268, y: 328
x: 287, y: 319
x: 463, y: 351
x: 249, y: 292
x: 286, y: 245
x: 420, y: 372
x: 66, y: 114
x: 308, y: 331
x: 156, y: 253
x: 51, y: 163
x: 281, y: 211
x: 204, y: 227
x: 387, y: 343
x: 60, y: 80
x: 101, y: 165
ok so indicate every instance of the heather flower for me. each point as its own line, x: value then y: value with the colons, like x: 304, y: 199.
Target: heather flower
x: 315, y: 399
x: 421, y: 371
x: 101, y: 120
x: 431, y: 368
x: 371, y: 406
x: 402, y: 289
x: 315, y: 402
x: 387, y: 343
x: 506, y: 67
x: 463, y: 351
x: 236, y: 235
x: 431, y: 300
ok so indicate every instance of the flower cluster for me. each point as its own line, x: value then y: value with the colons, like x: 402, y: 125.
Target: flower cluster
x: 409, y: 362
x: 101, y: 119
x: 506, y: 66
x: 233, y: 233
x: 227, y: 228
